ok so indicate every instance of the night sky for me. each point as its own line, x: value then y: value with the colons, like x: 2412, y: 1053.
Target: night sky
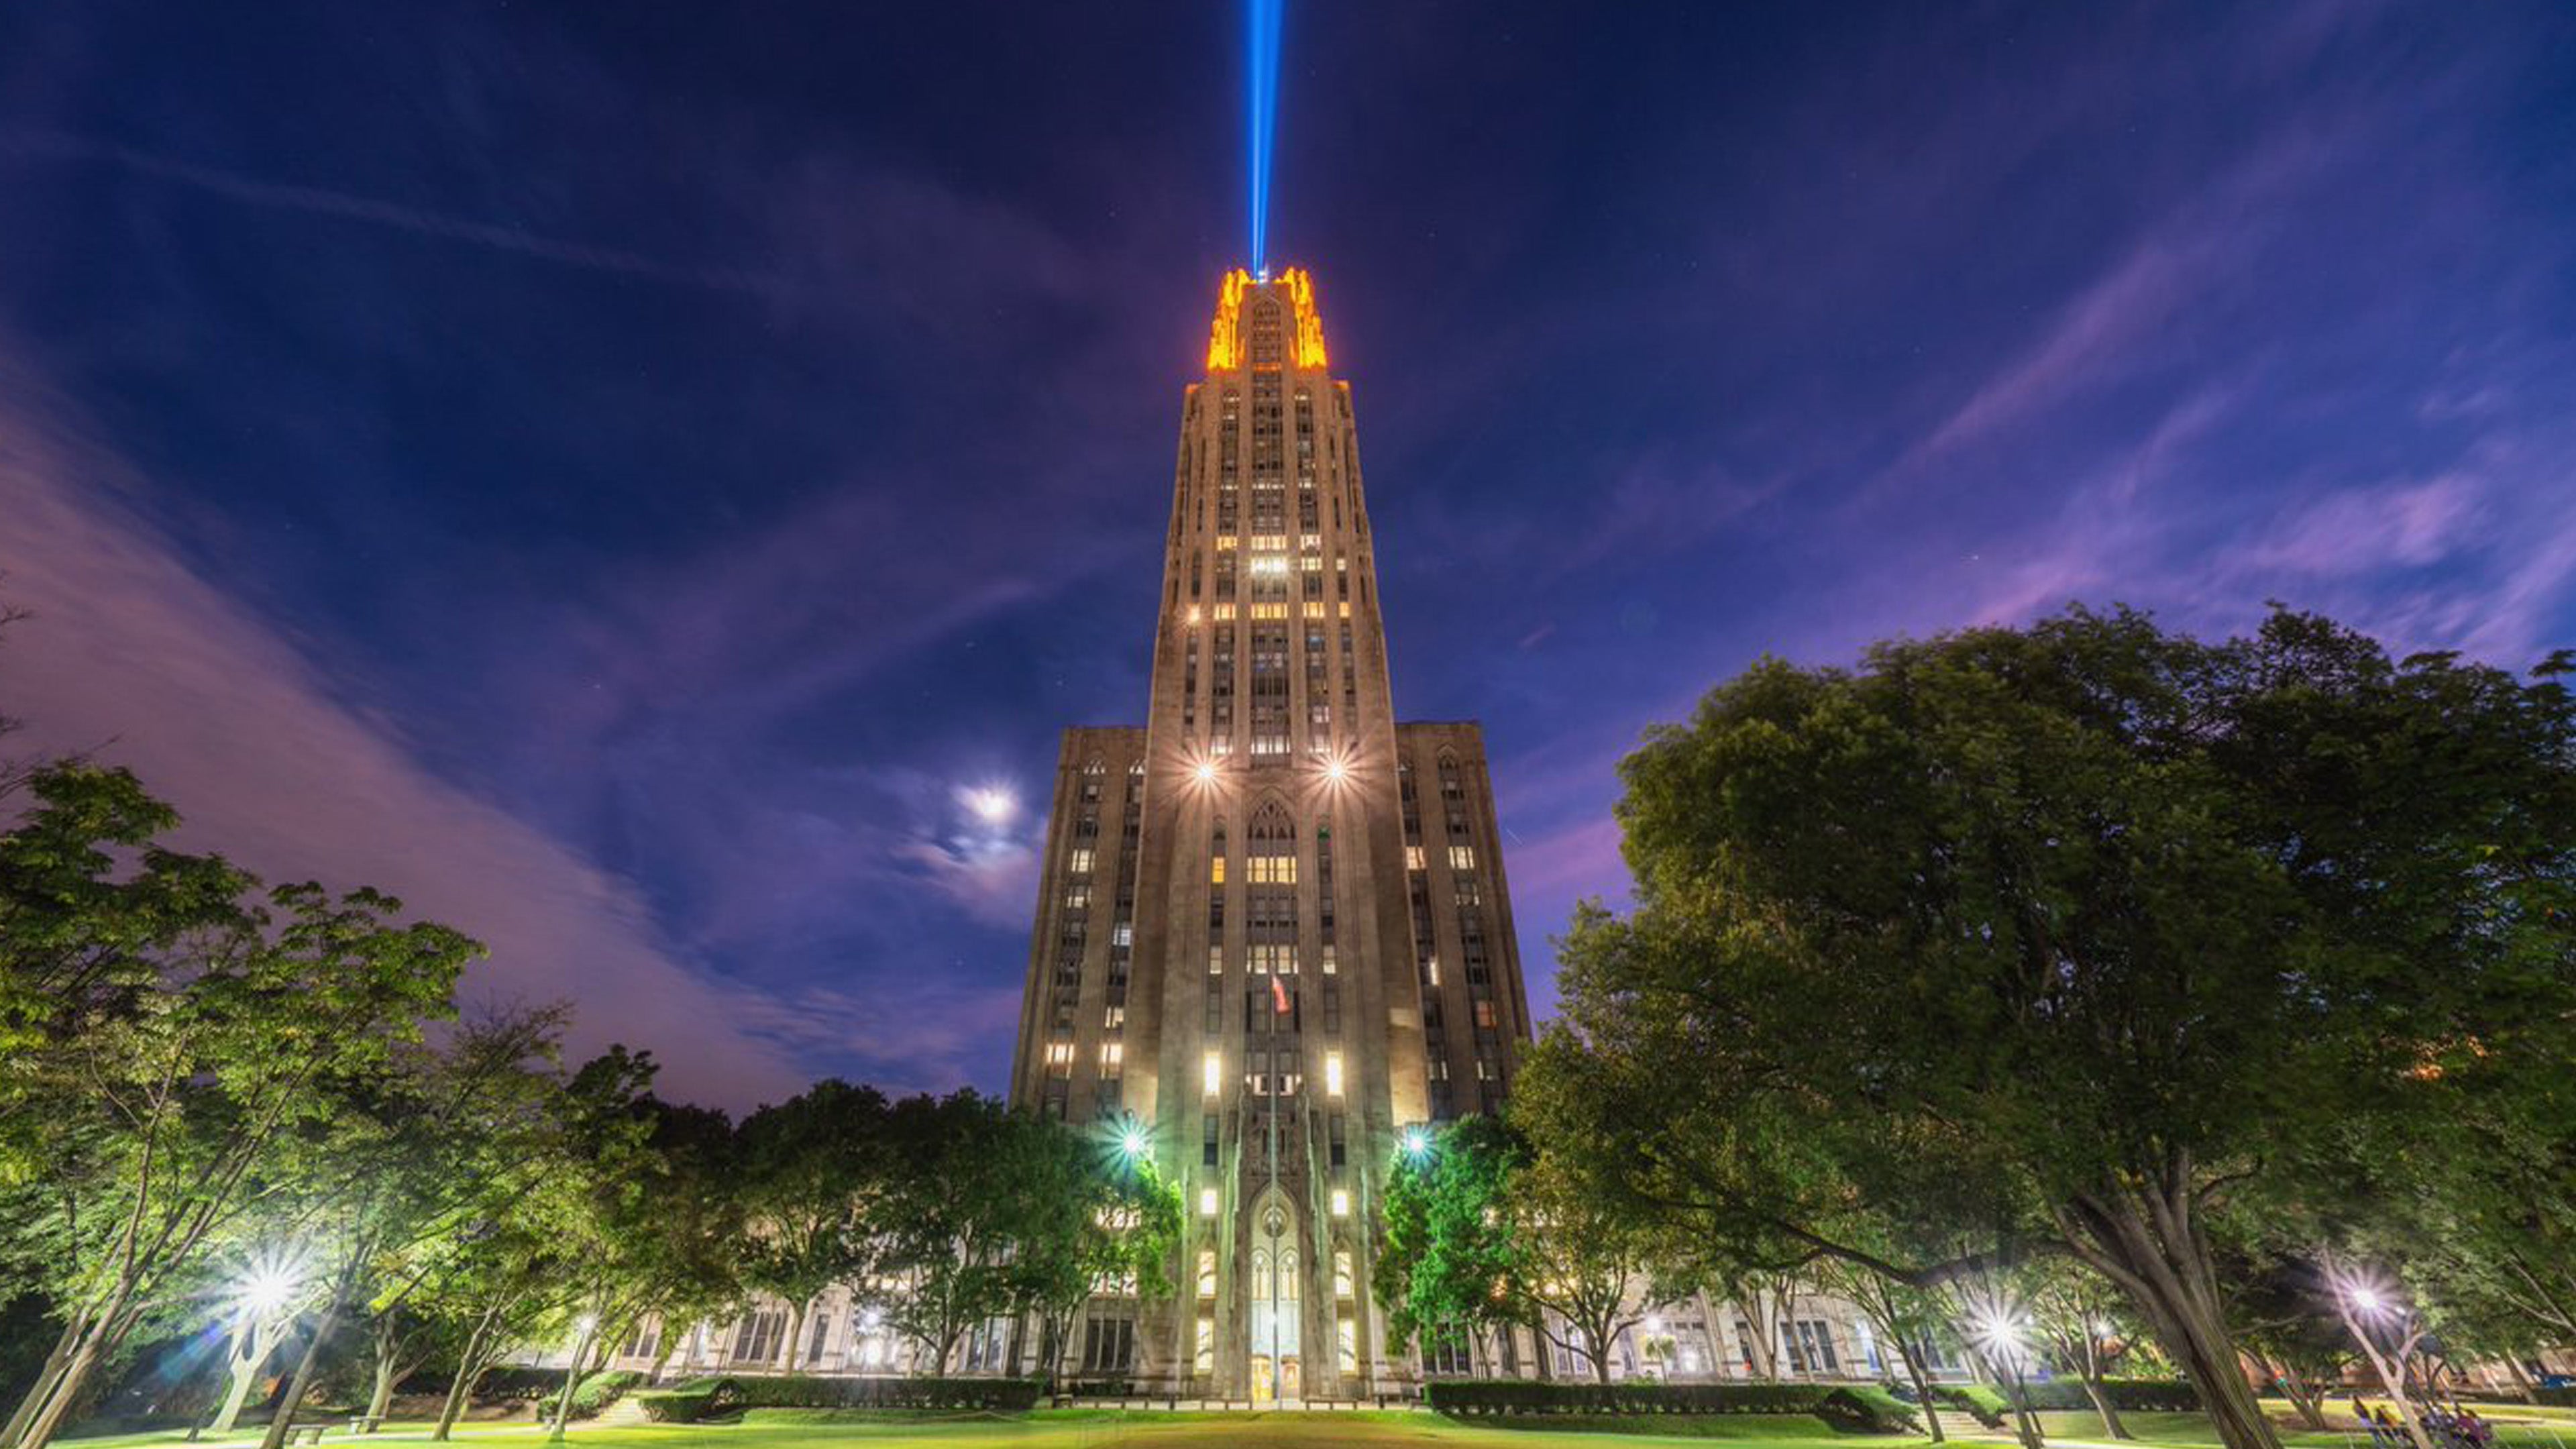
x: 621, y: 476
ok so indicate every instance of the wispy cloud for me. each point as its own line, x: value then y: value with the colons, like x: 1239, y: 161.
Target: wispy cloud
x: 133, y: 655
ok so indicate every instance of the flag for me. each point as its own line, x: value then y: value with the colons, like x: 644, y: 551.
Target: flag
x: 1279, y: 994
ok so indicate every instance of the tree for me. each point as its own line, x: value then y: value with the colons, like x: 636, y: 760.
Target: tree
x: 815, y: 1176
x: 2111, y: 911
x: 2279, y: 1314
x: 1904, y: 1317
x: 1482, y: 1233
x: 652, y: 1223
x: 2072, y: 1309
x: 191, y: 1038
x: 1099, y: 1220
x: 953, y: 1219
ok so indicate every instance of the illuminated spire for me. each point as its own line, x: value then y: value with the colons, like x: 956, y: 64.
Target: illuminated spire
x: 1226, y: 342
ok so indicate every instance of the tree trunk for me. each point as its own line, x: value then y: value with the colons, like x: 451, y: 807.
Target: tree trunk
x: 389, y: 1368
x: 2100, y: 1393
x: 41, y: 1389
x: 2392, y: 1379
x: 251, y: 1345
x: 283, y: 1420
x: 572, y: 1378
x: 2521, y: 1380
x: 2147, y: 1240
x: 468, y: 1369
x: 1922, y: 1385
x: 65, y: 1388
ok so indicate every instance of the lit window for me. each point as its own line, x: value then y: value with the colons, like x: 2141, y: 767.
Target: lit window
x: 1114, y: 1017
x: 1332, y: 1074
x: 1273, y: 870
x: 1226, y: 611
x: 1431, y: 971
x: 1346, y: 609
x: 1211, y: 1072
x: 1207, y: 1202
x: 1485, y: 1014
x: 1331, y: 962
x: 1342, y: 1280
x: 1311, y: 564
x: 1216, y: 870
x: 1413, y: 857
x: 1341, y: 1202
x: 1111, y: 1055
x: 1216, y: 960
x: 1310, y: 541
x: 1059, y: 1053
x: 1123, y: 934
x: 1267, y: 611
x: 1077, y: 898
x: 1207, y: 1272
x: 1080, y: 863
x: 1203, y: 1361
x: 1314, y: 608
x: 1462, y: 857
x: 1347, y: 1339
x: 1194, y: 614
x: 1224, y: 541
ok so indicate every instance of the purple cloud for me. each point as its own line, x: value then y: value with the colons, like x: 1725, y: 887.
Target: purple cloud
x: 133, y: 656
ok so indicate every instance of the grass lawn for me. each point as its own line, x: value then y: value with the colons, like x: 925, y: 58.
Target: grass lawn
x: 2191, y: 1431
x: 1094, y: 1429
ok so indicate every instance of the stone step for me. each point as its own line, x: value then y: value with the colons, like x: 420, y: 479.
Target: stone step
x: 627, y: 1410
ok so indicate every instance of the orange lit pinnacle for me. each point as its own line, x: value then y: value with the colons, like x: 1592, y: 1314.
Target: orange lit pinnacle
x: 1225, y: 337
x: 1225, y: 340
x: 1310, y: 323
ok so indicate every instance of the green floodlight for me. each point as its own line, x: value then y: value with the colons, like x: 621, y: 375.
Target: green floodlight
x: 1417, y: 1143
x: 1131, y: 1142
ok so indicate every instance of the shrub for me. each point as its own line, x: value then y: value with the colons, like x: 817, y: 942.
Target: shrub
x: 1472, y: 1397
x: 1984, y: 1403
x: 2044, y: 1395
x: 601, y: 1390
x: 517, y: 1383
x: 676, y: 1406
x: 2563, y: 1397
x: 1868, y: 1409
x: 702, y: 1398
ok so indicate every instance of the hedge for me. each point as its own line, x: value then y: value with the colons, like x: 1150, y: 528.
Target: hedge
x: 2143, y: 1396
x: 601, y: 1390
x: 1853, y: 1407
x: 2564, y: 1398
x: 702, y: 1398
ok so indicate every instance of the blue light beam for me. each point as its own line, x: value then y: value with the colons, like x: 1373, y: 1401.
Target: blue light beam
x: 1261, y: 94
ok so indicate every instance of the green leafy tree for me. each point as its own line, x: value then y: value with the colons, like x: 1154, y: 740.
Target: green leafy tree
x: 1481, y: 1234
x: 953, y: 1220
x: 654, y: 1225
x: 815, y: 1178
x: 2075, y: 1313
x: 2278, y: 1311
x: 2110, y: 911
x: 1099, y: 1221
x: 195, y: 1041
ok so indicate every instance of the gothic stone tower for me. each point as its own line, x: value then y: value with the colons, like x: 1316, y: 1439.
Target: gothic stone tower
x: 1271, y: 929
